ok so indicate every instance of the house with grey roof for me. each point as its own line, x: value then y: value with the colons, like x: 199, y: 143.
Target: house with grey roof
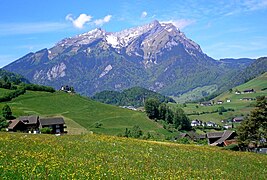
x: 56, y: 124
x: 220, y: 138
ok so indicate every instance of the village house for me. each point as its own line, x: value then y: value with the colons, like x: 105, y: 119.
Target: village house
x: 211, y: 124
x: 205, y: 104
x: 67, y: 89
x: 183, y: 135
x: 228, y: 126
x: 219, y: 102
x: 197, y: 122
x: 238, y: 119
x: 248, y: 91
x: 228, y: 100
x: 223, y: 138
x: 238, y: 92
x: 33, y: 124
x: 247, y: 99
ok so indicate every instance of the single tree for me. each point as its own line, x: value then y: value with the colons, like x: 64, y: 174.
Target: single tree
x: 253, y: 129
x: 6, y: 112
x: 152, y: 108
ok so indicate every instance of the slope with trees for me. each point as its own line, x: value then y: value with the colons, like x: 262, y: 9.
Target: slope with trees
x: 130, y: 97
x: 174, y: 117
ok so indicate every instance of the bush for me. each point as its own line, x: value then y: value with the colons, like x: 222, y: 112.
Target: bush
x: 98, y: 125
x: 232, y: 147
x: 46, y: 130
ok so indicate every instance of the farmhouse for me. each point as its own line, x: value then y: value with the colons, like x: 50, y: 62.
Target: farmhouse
x: 33, y: 124
x: 223, y: 138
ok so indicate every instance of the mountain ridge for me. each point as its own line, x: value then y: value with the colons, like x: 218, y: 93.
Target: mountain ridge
x: 156, y: 56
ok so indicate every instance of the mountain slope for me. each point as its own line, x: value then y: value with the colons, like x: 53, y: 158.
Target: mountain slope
x: 130, y: 97
x: 156, y: 56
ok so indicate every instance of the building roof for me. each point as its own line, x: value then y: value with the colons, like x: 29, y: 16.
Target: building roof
x: 238, y: 118
x: 214, y: 134
x: 201, y: 136
x: 29, y: 119
x: 51, y: 121
x: 226, y: 134
x: 14, y: 123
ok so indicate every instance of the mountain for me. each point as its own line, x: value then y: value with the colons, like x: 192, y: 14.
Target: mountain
x: 130, y: 97
x: 156, y: 56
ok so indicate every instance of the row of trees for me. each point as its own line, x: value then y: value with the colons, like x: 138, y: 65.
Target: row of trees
x: 12, y: 94
x: 173, y: 116
x: 35, y: 87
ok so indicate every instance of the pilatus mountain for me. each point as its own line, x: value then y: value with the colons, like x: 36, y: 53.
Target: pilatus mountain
x: 156, y: 56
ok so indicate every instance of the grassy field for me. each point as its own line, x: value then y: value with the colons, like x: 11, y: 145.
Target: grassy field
x: 82, y: 114
x: 241, y: 107
x: 24, y: 156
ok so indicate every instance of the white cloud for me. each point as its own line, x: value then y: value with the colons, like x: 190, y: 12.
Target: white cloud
x: 144, y: 14
x: 180, y: 23
x: 100, y: 22
x: 80, y: 21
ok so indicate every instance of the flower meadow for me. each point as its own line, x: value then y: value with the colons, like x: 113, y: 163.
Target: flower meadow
x: 28, y: 156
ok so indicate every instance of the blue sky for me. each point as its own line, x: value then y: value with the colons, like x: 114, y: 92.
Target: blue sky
x: 229, y: 28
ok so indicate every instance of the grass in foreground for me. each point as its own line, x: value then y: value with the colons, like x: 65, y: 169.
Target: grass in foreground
x: 24, y: 156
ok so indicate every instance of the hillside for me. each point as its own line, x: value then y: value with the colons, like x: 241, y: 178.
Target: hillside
x: 239, y: 102
x: 105, y: 157
x: 82, y: 113
x: 243, y: 75
x: 130, y: 97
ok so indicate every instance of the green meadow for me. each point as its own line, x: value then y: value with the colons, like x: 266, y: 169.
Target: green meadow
x: 83, y: 114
